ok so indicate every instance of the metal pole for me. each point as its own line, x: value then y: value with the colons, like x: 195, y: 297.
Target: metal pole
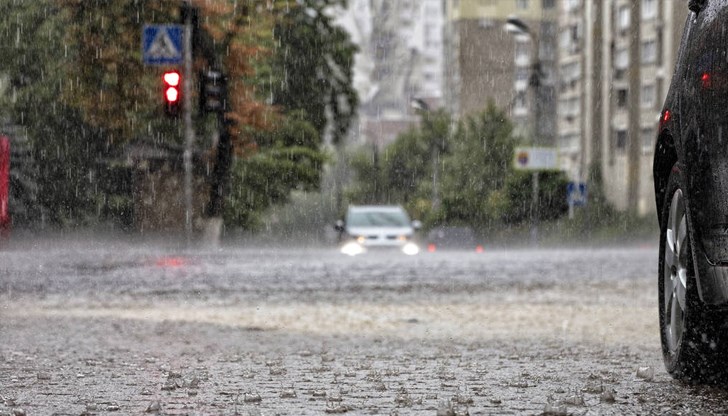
x: 634, y: 146
x: 536, y: 82
x: 435, y: 166
x: 534, y: 209
x: 189, y: 132
x: 537, y: 128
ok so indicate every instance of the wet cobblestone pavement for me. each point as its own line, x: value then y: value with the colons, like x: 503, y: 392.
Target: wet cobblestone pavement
x: 124, y: 329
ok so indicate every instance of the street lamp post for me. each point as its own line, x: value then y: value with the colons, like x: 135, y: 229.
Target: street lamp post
x: 516, y: 26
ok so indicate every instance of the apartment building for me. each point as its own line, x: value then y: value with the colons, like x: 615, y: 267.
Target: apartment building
x: 484, y: 62
x: 597, y: 97
x: 400, y: 59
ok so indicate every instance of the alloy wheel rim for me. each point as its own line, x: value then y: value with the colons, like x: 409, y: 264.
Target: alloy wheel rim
x: 675, y: 272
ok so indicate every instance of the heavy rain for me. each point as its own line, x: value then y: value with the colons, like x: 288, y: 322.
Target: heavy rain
x: 365, y: 207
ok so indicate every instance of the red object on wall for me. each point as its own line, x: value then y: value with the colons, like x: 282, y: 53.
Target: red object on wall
x: 4, y: 185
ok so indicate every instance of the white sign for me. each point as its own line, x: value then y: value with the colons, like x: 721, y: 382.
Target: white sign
x: 536, y: 158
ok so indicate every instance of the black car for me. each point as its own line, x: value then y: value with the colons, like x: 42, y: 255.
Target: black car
x: 691, y: 190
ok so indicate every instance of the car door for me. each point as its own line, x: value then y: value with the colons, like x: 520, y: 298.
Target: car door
x: 704, y: 137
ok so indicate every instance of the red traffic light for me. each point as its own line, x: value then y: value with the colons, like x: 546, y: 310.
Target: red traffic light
x: 172, y: 94
x: 172, y: 82
x: 171, y: 78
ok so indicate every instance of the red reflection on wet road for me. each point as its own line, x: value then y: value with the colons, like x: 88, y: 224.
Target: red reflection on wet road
x: 171, y: 262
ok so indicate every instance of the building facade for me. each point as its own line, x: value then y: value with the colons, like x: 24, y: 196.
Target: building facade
x: 400, y: 59
x: 611, y: 91
x: 484, y: 62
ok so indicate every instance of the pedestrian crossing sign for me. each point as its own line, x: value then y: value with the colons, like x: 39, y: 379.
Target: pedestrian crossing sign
x: 162, y: 44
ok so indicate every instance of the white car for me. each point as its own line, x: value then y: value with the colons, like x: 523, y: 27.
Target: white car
x: 369, y: 226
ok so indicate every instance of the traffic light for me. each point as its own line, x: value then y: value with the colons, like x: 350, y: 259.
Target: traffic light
x: 213, y: 92
x: 172, y: 93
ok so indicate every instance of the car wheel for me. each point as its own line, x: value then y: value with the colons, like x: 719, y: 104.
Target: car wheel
x: 689, y: 329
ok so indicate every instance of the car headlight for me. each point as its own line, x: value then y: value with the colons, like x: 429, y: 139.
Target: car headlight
x: 352, y: 248
x: 410, y: 249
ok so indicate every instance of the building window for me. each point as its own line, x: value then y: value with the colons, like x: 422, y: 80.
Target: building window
x: 622, y: 97
x: 520, y: 102
x: 620, y: 140
x: 522, y: 4
x: 569, y: 142
x: 565, y: 40
x: 621, y: 59
x: 623, y: 18
x: 648, y: 96
x: 522, y: 74
x: 549, y: 4
x: 570, y: 38
x: 570, y: 74
x: 570, y: 107
x: 571, y: 5
x: 523, y: 53
x: 649, y: 52
x: 649, y: 9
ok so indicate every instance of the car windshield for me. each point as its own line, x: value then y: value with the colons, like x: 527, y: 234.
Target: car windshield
x: 378, y: 218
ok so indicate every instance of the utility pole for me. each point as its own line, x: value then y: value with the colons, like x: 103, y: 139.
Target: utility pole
x: 516, y: 26
x: 633, y: 133
x: 189, y: 132
x: 597, y: 128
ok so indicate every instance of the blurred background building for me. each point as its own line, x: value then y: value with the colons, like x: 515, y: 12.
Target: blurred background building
x: 484, y: 62
x: 400, y: 60
x: 458, y: 55
x: 595, y: 100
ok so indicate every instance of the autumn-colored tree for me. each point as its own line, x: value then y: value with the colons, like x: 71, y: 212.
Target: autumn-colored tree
x: 116, y: 92
x: 79, y: 88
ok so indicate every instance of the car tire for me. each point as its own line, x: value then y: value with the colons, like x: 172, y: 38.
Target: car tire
x: 692, y: 347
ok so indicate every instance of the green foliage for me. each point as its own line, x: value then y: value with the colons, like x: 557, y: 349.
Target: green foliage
x: 63, y: 148
x: 289, y: 159
x: 402, y: 172
x: 370, y: 185
x: 479, y: 165
x: 478, y: 185
x: 518, y: 192
x: 76, y: 83
x: 312, y: 69
x: 310, y: 75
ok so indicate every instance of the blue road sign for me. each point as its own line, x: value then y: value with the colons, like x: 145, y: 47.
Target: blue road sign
x: 576, y: 194
x: 162, y: 44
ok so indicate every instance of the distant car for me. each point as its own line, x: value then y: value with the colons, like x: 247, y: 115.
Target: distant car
x: 690, y: 171
x: 377, y: 226
x: 452, y: 238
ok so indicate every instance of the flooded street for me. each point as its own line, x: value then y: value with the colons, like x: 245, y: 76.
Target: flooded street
x: 129, y: 328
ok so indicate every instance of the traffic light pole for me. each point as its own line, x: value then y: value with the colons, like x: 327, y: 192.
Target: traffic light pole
x: 189, y: 132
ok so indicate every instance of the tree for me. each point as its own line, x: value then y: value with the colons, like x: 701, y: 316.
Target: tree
x: 402, y: 172
x: 64, y: 150
x: 370, y: 185
x: 313, y: 67
x: 515, y: 207
x: 288, y: 158
x: 79, y: 87
x: 480, y: 163
x: 309, y: 79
